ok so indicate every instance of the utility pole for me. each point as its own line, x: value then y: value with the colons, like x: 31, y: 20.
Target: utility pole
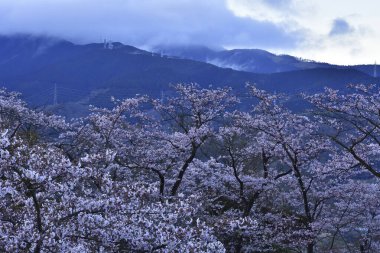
x: 55, y: 95
x: 162, y: 96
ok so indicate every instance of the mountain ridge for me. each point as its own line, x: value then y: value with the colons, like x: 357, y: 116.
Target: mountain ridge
x: 252, y: 60
x: 35, y: 66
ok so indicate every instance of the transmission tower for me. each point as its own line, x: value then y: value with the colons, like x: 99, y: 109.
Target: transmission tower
x: 55, y: 102
x: 375, y: 70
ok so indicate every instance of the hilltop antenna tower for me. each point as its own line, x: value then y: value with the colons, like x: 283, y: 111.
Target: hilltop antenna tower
x: 55, y: 102
x: 375, y: 70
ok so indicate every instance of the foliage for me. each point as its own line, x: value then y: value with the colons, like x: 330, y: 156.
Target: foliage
x: 190, y: 174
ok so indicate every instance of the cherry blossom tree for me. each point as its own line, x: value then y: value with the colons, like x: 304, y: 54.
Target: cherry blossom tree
x: 51, y: 201
x: 352, y: 122
x: 189, y: 174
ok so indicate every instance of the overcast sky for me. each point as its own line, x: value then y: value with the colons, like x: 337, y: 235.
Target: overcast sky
x: 335, y: 31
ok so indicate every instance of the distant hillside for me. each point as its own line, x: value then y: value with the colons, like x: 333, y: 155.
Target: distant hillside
x: 90, y: 74
x: 251, y: 60
x: 31, y: 65
x: 368, y: 69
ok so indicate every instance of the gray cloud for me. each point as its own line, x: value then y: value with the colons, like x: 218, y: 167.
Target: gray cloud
x: 143, y: 22
x: 340, y: 27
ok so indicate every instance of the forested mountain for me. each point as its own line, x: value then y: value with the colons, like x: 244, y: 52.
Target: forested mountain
x: 252, y: 60
x: 93, y: 73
